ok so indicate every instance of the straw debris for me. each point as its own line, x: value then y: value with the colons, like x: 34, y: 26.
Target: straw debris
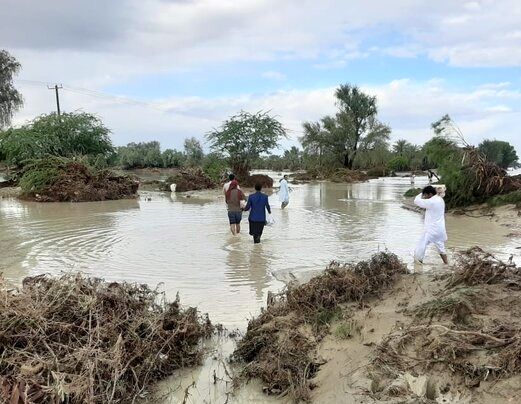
x: 477, y: 267
x: 75, y: 339
x: 470, y: 351
x: 280, y: 345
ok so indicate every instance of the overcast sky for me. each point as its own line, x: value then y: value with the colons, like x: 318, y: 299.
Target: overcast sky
x: 168, y: 69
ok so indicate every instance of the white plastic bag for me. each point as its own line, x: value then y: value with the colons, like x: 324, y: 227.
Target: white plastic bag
x: 270, y: 221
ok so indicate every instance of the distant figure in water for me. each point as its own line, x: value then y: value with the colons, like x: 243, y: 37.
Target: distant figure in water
x: 434, y: 231
x: 413, y: 177
x: 234, y: 196
x: 258, y: 204
x: 284, y: 192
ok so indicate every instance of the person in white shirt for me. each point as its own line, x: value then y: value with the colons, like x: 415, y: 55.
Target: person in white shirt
x: 284, y: 192
x: 434, y: 230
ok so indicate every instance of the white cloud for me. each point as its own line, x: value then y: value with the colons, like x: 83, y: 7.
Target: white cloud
x: 407, y: 106
x: 95, y: 44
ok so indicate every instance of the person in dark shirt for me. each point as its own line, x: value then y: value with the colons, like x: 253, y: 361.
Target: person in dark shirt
x: 234, y: 197
x: 258, y: 205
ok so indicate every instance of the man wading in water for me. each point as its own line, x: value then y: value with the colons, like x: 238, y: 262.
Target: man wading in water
x: 234, y: 196
x: 284, y: 192
x: 258, y: 203
x: 434, y: 231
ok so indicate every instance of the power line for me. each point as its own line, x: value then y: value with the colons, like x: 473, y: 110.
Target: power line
x: 95, y: 94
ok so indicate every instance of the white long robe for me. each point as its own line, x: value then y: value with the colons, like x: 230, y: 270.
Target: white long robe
x: 434, y: 230
x: 284, y: 191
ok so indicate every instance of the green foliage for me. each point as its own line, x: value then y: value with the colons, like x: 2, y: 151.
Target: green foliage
x: 215, y: 166
x: 148, y: 154
x: 377, y: 172
x: 193, y: 151
x: 412, y: 192
x: 41, y: 173
x: 352, y: 130
x: 173, y: 158
x: 439, y: 149
x: 139, y: 155
x: 10, y: 99
x: 68, y: 135
x: 500, y: 152
x: 244, y: 137
x: 398, y: 163
x: 506, y: 199
x: 291, y: 159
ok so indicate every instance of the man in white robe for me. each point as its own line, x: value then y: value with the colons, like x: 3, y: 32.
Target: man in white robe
x: 284, y: 192
x: 434, y: 230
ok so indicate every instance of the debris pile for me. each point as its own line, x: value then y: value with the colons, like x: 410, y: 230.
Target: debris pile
x: 189, y: 179
x: 469, y: 333
x: 57, y: 179
x: 83, y: 340
x: 279, y: 345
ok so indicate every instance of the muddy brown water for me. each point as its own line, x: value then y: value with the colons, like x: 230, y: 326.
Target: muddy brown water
x: 184, y: 245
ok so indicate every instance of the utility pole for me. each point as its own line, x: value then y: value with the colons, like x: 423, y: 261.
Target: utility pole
x: 56, y: 87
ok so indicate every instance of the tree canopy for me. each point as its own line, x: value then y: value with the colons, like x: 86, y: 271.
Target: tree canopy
x: 193, y: 151
x: 352, y: 129
x: 68, y: 135
x: 244, y: 137
x: 500, y: 152
x: 10, y: 99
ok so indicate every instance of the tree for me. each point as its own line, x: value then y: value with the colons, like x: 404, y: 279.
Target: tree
x: 356, y: 118
x: 244, y: 137
x: 10, y: 99
x: 500, y: 152
x: 403, y: 148
x: 172, y: 158
x: 352, y: 129
x: 194, y: 151
x: 70, y: 135
x: 292, y: 159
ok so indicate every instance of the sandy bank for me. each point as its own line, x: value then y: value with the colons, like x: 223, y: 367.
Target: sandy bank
x: 453, y: 338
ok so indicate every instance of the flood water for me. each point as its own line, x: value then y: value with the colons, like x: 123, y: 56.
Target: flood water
x: 184, y: 243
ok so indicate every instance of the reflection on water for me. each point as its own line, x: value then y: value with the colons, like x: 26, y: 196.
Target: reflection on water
x: 184, y: 243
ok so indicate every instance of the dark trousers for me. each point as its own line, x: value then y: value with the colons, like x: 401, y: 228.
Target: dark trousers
x: 256, y: 229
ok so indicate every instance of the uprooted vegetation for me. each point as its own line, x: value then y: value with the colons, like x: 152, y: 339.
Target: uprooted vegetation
x: 59, y: 179
x: 340, y: 175
x: 280, y: 345
x: 470, y: 179
x: 75, y: 339
x: 468, y: 334
x: 189, y: 179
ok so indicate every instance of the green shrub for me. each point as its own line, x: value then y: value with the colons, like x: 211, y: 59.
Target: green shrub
x: 67, y: 135
x: 510, y: 198
x: 412, y: 192
x: 398, y: 164
x: 376, y: 172
x: 214, y: 166
x: 40, y: 174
